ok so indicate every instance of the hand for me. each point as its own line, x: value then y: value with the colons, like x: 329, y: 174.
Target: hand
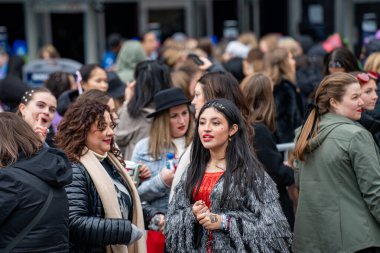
x: 129, y: 91
x: 206, y: 63
x: 198, y: 208
x: 39, y: 129
x: 144, y: 172
x: 167, y: 175
x: 288, y: 164
x: 210, y: 221
x: 293, y: 195
x: 162, y: 223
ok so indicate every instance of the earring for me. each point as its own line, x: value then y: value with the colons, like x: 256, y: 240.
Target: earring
x: 229, y: 138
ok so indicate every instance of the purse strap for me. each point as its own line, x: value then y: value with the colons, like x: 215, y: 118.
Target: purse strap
x: 27, y: 229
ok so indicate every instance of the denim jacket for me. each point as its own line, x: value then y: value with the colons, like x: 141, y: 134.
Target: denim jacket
x: 154, y: 190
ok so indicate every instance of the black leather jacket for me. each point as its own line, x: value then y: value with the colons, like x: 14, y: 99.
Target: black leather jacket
x: 89, y: 230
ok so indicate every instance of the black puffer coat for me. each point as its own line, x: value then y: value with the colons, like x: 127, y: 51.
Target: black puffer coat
x: 24, y: 188
x: 89, y: 231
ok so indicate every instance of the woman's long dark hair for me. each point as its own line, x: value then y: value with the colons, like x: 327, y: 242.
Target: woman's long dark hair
x: 151, y: 77
x: 243, y: 170
x: 221, y: 84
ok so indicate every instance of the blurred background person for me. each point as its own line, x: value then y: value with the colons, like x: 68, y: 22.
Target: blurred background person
x: 150, y: 44
x: 88, y: 77
x: 368, y: 86
x: 130, y: 54
x: 281, y: 68
x: 258, y: 91
x: 340, y: 60
x: 49, y: 52
x: 114, y: 43
x: 151, y: 76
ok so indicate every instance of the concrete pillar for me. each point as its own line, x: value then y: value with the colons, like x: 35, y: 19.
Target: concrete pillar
x: 294, y: 14
x: 209, y: 18
x: 31, y: 28
x: 189, y: 17
x: 256, y: 18
x: 46, y: 28
x: 343, y: 19
x: 90, y: 36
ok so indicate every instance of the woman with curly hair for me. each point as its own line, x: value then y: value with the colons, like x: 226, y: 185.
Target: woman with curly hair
x: 105, y: 209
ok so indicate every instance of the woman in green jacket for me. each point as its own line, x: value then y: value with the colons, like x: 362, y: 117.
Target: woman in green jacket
x: 338, y: 174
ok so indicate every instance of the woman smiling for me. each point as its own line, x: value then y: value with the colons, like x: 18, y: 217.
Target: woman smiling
x: 105, y: 209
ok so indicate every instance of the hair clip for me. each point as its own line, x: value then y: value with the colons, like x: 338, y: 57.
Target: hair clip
x: 363, y: 77
x: 373, y: 75
x: 216, y: 105
x: 27, y: 95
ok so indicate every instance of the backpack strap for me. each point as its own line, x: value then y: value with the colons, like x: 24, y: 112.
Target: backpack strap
x: 27, y: 229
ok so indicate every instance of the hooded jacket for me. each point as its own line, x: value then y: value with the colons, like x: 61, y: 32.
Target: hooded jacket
x: 24, y: 189
x: 339, y: 182
x: 130, y: 54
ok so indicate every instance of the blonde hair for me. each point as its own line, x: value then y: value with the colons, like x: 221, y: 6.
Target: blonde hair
x: 257, y: 89
x: 50, y: 50
x: 278, y: 67
x: 291, y: 44
x: 160, y: 139
x: 270, y: 40
x: 249, y: 39
x: 373, y: 62
x: 332, y: 86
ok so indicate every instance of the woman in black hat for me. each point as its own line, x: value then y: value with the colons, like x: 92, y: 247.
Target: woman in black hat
x: 171, y: 132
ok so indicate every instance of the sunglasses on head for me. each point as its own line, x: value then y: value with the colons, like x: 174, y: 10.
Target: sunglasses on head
x: 365, y: 77
x: 335, y: 64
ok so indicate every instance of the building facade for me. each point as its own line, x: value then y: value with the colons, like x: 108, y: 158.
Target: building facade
x: 78, y: 28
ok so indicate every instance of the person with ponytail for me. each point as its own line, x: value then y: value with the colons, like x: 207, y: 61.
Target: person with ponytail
x: 337, y: 171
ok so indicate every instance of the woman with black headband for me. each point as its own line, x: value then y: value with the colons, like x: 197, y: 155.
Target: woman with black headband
x: 337, y: 170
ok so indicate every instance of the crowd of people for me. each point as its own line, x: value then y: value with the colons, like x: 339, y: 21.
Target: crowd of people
x: 172, y: 148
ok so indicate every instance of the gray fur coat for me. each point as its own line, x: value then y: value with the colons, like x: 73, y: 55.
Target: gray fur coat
x: 256, y: 226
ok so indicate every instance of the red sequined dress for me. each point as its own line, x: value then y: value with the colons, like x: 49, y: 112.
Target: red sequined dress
x: 209, y: 181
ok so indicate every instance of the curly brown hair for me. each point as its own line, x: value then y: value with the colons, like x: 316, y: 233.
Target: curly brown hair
x: 76, y: 124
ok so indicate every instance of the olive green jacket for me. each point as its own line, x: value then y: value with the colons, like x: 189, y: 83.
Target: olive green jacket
x: 339, y: 202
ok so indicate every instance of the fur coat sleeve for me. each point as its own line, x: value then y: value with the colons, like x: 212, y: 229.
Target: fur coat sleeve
x: 255, y: 226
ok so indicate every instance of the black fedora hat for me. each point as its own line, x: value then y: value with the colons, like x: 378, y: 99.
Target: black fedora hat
x: 168, y: 98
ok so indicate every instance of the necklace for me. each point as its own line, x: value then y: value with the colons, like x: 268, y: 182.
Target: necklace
x: 220, y: 167
x: 217, y: 165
